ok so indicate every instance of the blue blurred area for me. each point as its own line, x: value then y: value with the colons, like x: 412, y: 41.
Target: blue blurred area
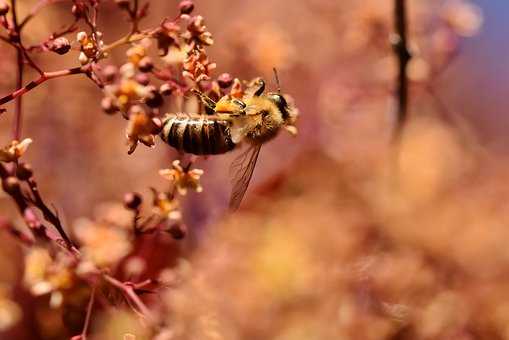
x: 483, y: 70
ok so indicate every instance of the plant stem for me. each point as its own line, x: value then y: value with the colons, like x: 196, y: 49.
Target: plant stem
x: 16, y: 130
x: 89, y: 314
x: 400, y: 46
x: 43, y: 78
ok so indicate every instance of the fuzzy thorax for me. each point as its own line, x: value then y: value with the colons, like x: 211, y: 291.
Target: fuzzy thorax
x: 260, y: 123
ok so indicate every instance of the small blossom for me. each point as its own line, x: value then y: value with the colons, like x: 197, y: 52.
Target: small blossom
x: 197, y: 33
x: 103, y: 245
x: 4, y: 8
x: 197, y: 66
x: 136, y: 53
x: 141, y: 128
x: 45, y: 274
x: 14, y: 150
x: 167, y: 37
x: 166, y: 206
x: 182, y: 178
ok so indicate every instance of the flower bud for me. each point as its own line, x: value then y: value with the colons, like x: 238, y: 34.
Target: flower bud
x: 11, y: 185
x: 225, y: 80
x: 154, y: 99
x: 4, y: 7
x: 24, y: 171
x: 59, y: 45
x: 132, y: 200
x: 165, y: 89
x: 78, y: 10
x: 142, y: 79
x: 108, y: 105
x: 186, y: 7
x: 83, y: 59
x: 178, y: 231
x: 146, y: 64
x: 109, y: 73
x: 81, y: 37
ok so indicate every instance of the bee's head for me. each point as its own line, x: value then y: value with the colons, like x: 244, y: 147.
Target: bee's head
x: 281, y: 104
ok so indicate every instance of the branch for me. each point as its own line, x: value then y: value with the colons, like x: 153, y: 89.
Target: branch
x: 19, y: 76
x: 400, y: 45
x: 130, y: 291
x: 43, y: 78
x: 49, y: 215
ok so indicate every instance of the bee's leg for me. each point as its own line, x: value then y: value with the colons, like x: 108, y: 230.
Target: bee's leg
x: 210, y: 105
x: 261, y: 88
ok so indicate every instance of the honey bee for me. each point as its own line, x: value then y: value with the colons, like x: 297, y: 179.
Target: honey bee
x: 231, y: 122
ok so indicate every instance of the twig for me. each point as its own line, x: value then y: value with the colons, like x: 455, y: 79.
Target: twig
x: 400, y: 46
x: 129, y: 290
x: 49, y: 215
x: 89, y: 314
x: 43, y: 78
x: 16, y: 133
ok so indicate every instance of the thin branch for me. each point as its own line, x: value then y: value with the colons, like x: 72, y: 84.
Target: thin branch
x: 89, y: 314
x: 129, y: 290
x: 400, y: 45
x: 48, y: 214
x: 43, y: 78
x: 16, y: 130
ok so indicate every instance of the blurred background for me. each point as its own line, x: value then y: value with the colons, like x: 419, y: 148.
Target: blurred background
x: 340, y: 236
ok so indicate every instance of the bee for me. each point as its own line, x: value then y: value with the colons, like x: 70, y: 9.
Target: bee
x: 229, y: 123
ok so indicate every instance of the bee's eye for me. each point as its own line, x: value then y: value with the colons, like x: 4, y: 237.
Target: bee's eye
x: 281, y: 103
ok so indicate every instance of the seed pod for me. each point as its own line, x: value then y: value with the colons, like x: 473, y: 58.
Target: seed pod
x: 142, y: 79
x: 225, y: 80
x: 11, y: 185
x: 108, y: 105
x: 60, y: 45
x: 165, y: 89
x: 186, y: 7
x: 4, y: 8
x: 24, y: 171
x: 146, y: 64
x: 78, y: 10
x: 132, y: 200
x: 109, y: 73
x: 178, y: 231
x: 154, y: 99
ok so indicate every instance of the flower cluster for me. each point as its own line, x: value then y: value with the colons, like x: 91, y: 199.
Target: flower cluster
x: 90, y: 46
x: 183, y: 178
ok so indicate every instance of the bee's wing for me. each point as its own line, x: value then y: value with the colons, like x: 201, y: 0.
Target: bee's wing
x: 241, y: 172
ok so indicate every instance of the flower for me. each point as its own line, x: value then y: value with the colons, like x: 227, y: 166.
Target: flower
x: 197, y: 65
x: 141, y: 128
x: 103, y: 244
x: 166, y: 206
x: 14, y: 150
x: 46, y: 274
x: 182, y: 178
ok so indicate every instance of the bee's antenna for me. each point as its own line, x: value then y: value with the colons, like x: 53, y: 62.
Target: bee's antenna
x: 277, y: 80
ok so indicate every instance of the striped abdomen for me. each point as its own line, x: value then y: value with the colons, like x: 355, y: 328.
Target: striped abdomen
x: 197, y: 134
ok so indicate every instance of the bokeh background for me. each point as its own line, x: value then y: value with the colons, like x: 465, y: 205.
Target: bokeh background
x: 342, y: 235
